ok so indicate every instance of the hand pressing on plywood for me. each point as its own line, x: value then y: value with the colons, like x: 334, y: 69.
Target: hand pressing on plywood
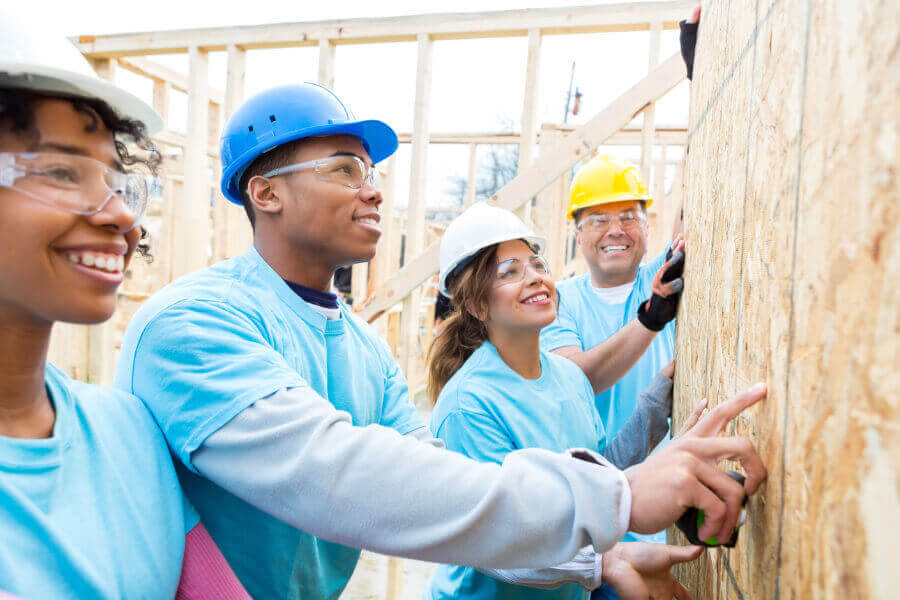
x: 637, y: 570
x: 684, y: 474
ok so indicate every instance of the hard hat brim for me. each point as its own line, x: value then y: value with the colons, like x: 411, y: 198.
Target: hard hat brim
x: 51, y: 81
x: 537, y: 242
x: 379, y: 139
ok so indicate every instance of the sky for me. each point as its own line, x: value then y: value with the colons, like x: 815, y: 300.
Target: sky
x: 478, y: 85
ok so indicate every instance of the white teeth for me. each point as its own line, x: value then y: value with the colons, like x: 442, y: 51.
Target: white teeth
x: 367, y: 221
x: 537, y: 298
x: 111, y: 263
x: 613, y: 248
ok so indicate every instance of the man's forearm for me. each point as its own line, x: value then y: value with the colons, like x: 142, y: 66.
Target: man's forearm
x: 607, y: 363
x: 297, y: 458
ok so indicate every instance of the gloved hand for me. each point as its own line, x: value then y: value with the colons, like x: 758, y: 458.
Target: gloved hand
x: 667, y: 285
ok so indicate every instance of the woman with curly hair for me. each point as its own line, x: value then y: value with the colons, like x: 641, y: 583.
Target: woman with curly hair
x: 90, y: 504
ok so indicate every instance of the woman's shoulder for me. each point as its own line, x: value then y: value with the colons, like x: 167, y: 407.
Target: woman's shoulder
x: 116, y: 411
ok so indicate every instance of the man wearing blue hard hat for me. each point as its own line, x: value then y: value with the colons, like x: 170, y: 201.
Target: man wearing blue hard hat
x: 289, y: 418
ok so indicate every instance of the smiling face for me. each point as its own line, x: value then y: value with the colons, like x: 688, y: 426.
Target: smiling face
x: 613, y: 255
x: 56, y: 265
x: 525, y: 305
x: 322, y: 220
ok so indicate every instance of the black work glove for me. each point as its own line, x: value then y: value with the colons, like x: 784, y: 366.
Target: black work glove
x: 657, y: 311
x: 688, y: 44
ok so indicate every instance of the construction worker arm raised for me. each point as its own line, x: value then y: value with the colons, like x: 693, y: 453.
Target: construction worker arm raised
x: 608, y: 362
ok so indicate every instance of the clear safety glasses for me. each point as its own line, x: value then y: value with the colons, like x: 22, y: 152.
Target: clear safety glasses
x: 348, y: 171
x: 76, y: 184
x: 513, y: 270
x: 627, y: 220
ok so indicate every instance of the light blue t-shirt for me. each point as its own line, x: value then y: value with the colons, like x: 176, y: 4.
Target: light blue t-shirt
x: 584, y: 320
x: 486, y: 411
x: 95, y: 511
x: 212, y: 343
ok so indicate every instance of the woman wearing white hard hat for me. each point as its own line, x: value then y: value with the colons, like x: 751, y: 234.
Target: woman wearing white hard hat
x: 496, y: 391
x: 90, y: 504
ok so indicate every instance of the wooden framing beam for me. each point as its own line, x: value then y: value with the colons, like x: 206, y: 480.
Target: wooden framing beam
x: 635, y: 16
x: 667, y: 136
x: 649, y: 125
x: 472, y: 175
x: 157, y: 72
x: 326, y: 63
x: 239, y: 234
x: 562, y: 156
x: 528, y: 140
x: 192, y: 228
x: 415, y: 226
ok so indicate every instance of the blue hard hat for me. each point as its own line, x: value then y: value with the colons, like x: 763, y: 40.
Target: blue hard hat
x: 287, y: 113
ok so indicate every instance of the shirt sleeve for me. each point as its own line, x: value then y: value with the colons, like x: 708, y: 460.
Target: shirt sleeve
x: 647, y: 426
x: 293, y: 455
x: 199, y: 363
x: 475, y: 435
x: 563, y: 331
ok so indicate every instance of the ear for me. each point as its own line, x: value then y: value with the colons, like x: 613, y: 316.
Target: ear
x: 478, y: 314
x: 263, y: 195
x: 578, y: 237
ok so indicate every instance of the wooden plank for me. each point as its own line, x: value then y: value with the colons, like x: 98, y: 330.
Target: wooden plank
x: 559, y: 158
x: 385, y: 262
x: 798, y: 104
x: 528, y: 139
x: 472, y: 175
x: 105, y: 68
x: 326, y: 63
x: 668, y: 135
x: 415, y: 226
x: 580, y: 142
x: 161, y: 91
x: 649, y: 127
x: 239, y: 233
x: 192, y: 228
x: 575, y: 19
x: 157, y: 72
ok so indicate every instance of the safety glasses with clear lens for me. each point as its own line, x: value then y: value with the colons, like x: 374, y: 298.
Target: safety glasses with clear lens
x: 513, y: 270
x: 76, y: 184
x: 627, y: 220
x: 349, y: 171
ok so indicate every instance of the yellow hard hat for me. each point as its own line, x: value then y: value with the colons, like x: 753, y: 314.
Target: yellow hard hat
x: 604, y: 180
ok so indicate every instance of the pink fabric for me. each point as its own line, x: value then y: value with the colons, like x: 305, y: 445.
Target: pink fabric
x: 204, y: 573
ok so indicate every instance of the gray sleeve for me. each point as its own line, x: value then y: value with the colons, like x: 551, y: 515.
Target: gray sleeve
x: 647, y: 426
x: 584, y: 569
x: 293, y: 455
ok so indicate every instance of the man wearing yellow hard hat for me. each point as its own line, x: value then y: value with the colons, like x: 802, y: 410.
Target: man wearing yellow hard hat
x: 608, y: 203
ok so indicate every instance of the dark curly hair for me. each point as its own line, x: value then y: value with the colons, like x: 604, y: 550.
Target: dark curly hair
x: 17, y: 109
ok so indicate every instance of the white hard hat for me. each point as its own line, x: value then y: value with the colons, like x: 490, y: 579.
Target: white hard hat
x: 479, y: 226
x: 52, y: 65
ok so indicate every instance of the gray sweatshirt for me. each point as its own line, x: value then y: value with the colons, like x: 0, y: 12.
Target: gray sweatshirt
x: 427, y: 503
